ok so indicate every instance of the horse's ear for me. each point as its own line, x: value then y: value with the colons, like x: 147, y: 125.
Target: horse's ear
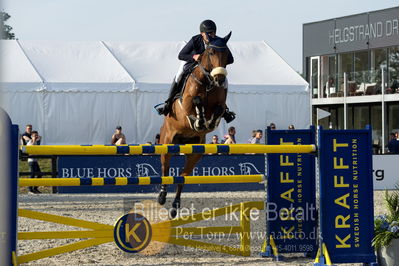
x: 227, y: 37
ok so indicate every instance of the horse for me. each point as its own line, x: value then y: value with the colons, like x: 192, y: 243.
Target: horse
x: 197, y: 112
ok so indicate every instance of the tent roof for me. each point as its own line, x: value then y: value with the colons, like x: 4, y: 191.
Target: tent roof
x: 256, y: 64
x: 124, y: 66
x: 16, y: 68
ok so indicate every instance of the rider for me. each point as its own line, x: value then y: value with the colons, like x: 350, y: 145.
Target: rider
x: 191, y: 53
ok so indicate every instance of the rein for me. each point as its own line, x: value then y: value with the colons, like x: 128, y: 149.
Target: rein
x: 207, y: 74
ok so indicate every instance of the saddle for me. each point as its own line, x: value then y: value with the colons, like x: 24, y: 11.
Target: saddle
x: 182, y: 82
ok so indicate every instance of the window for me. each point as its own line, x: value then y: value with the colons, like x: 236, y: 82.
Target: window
x: 393, y: 65
x: 314, y: 76
x: 333, y: 118
x: 361, y: 74
x: 328, y: 71
x: 378, y: 58
x: 345, y: 65
x: 349, y: 116
x: 361, y: 116
x: 376, y: 120
x: 393, y: 117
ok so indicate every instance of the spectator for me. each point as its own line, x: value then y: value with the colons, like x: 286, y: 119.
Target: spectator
x: 33, y: 164
x: 395, y: 86
x: 258, y: 137
x: 291, y: 127
x: 230, y: 137
x: 393, y: 144
x: 157, y: 139
x: 272, y: 126
x: 252, y: 136
x: 329, y: 87
x: 27, y: 135
x: 397, y: 142
x: 215, y: 139
x: 118, y: 138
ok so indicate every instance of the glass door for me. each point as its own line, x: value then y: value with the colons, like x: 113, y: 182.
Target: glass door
x: 315, y: 76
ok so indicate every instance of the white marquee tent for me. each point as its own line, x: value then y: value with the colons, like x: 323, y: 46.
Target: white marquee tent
x: 78, y: 92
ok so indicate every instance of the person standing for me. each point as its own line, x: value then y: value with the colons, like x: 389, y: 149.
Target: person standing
x: 230, y: 138
x: 392, y: 144
x: 27, y: 135
x: 397, y: 142
x: 215, y: 139
x: 258, y: 137
x: 33, y: 164
x: 252, y: 136
x: 118, y: 137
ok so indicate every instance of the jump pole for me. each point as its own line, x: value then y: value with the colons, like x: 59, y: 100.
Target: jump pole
x: 142, y: 180
x: 164, y: 149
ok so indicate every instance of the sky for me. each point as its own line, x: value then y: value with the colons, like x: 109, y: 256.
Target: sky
x: 279, y: 23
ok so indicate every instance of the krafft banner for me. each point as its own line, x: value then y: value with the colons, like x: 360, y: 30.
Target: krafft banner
x: 291, y: 193
x: 150, y: 165
x: 346, y: 193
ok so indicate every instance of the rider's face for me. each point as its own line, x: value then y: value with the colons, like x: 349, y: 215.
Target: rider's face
x: 205, y: 37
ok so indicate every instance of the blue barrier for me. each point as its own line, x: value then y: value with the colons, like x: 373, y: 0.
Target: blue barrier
x: 346, y: 193
x: 150, y: 165
x: 291, y: 192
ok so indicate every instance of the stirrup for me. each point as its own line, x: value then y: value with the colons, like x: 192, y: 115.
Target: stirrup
x: 229, y: 116
x: 160, y: 108
x: 164, y: 109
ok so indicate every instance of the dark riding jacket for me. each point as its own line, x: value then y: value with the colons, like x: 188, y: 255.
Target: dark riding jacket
x: 196, y: 46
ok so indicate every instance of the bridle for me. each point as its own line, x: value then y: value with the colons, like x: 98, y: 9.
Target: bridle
x: 207, y: 73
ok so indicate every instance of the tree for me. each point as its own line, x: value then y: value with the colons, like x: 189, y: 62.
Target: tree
x: 6, y: 33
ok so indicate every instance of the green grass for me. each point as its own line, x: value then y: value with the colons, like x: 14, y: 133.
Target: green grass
x: 45, y: 166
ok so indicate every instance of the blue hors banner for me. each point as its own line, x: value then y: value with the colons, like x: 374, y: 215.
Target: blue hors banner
x: 291, y: 187
x: 150, y: 165
x: 346, y: 193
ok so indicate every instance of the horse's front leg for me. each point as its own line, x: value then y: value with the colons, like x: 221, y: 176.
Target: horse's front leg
x: 216, y: 117
x: 199, y: 124
x: 165, y: 161
x: 191, y: 161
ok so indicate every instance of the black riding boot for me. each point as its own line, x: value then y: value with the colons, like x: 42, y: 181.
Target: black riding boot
x: 228, y: 115
x: 167, y: 107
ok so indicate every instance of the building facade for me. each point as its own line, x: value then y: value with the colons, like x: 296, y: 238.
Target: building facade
x: 352, y: 66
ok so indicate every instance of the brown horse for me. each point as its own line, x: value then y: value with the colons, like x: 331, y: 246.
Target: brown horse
x: 199, y: 111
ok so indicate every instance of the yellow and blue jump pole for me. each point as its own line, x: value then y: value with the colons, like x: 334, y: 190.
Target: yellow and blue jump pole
x: 164, y: 149
x: 142, y: 180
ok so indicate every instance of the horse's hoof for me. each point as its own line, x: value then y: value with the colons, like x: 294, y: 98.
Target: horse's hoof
x: 162, y: 197
x: 173, y: 213
x: 175, y: 207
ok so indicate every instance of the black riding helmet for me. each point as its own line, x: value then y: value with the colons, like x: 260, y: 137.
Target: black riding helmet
x: 207, y: 26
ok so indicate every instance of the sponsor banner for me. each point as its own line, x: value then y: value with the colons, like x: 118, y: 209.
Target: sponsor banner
x: 346, y: 194
x: 291, y: 196
x: 385, y: 171
x: 150, y: 165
